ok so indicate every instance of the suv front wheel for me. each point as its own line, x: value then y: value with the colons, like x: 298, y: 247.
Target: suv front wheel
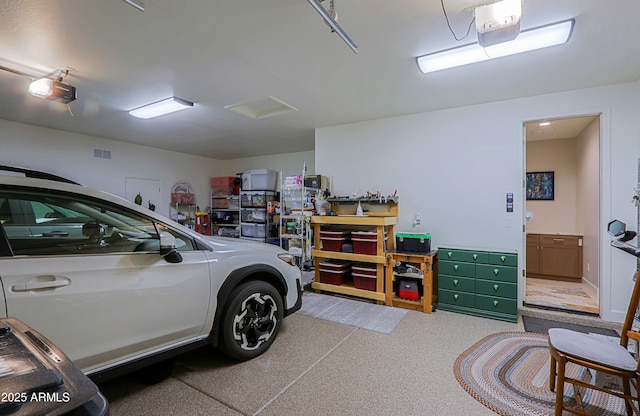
x: 251, y: 320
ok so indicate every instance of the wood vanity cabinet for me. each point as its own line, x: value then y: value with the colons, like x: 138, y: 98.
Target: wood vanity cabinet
x: 533, y: 253
x: 554, y: 256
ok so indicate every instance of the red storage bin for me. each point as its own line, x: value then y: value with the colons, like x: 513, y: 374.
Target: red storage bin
x: 222, y: 181
x: 222, y: 190
x: 333, y: 240
x: 364, y: 276
x: 366, y: 242
x: 335, y: 272
x: 221, y: 203
x: 332, y: 244
x: 368, y: 270
x: 336, y: 265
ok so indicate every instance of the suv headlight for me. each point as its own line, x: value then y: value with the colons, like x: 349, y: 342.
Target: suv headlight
x: 287, y: 258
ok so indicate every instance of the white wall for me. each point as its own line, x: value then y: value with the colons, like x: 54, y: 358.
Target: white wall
x: 289, y: 164
x: 559, y: 215
x: 588, y: 199
x: 71, y: 155
x: 455, y: 167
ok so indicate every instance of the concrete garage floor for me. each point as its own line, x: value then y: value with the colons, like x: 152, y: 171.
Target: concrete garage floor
x: 318, y: 367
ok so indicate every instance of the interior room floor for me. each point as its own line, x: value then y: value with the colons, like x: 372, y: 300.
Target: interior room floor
x: 571, y: 296
x: 317, y: 367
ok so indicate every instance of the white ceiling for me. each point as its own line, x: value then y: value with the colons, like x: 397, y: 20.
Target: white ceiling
x: 561, y: 128
x: 222, y: 52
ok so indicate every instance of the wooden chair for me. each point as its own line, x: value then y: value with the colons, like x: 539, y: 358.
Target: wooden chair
x: 599, y: 354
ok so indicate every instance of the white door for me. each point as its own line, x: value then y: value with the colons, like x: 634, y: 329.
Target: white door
x: 150, y: 190
x: 109, y: 296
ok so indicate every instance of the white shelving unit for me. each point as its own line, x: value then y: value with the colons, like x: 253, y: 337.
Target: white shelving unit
x: 296, y: 234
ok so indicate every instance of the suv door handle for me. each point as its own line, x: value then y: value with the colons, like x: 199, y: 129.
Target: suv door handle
x: 56, y: 234
x: 58, y: 281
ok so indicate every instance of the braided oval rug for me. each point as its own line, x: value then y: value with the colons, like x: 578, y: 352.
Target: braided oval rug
x: 508, y: 372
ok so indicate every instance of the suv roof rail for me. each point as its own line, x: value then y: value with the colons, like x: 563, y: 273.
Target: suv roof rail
x: 30, y: 173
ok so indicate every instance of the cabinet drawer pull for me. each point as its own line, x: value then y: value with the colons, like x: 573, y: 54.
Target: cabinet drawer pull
x: 455, y: 267
x: 455, y: 296
x: 495, y: 303
x: 455, y: 282
x: 475, y: 256
x: 449, y: 254
x: 496, y: 271
x: 503, y: 258
x: 558, y: 239
x: 495, y: 287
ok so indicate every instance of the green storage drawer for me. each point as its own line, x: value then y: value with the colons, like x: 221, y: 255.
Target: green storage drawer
x: 502, y: 273
x: 495, y: 288
x: 471, y: 256
x: 503, y: 259
x: 456, y: 283
x: 456, y: 268
x: 497, y: 304
x: 478, y: 283
x: 456, y: 298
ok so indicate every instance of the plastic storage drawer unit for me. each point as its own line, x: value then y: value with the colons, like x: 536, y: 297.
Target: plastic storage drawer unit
x: 254, y: 230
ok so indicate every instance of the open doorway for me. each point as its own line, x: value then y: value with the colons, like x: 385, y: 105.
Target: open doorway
x: 562, y: 214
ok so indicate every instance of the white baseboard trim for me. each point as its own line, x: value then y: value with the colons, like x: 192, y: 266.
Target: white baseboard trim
x: 590, y: 288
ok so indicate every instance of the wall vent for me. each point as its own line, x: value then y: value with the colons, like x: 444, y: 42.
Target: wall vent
x: 102, y: 154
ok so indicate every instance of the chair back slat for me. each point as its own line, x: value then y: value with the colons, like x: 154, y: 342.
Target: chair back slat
x: 632, y: 310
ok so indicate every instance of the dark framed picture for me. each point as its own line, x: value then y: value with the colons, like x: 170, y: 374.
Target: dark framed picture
x: 540, y: 186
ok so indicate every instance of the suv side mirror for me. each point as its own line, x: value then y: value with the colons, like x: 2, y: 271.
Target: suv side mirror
x: 168, y: 248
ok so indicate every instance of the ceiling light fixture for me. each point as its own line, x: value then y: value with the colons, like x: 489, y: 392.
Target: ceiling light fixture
x: 161, y: 108
x: 51, y: 87
x: 135, y: 3
x: 529, y: 40
x: 53, y: 90
x: 48, y: 86
x: 335, y: 27
x: 498, y: 22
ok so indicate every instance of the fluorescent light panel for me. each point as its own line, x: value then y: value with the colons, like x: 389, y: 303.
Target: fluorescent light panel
x: 161, y: 108
x: 528, y: 40
x: 135, y: 3
x: 334, y: 25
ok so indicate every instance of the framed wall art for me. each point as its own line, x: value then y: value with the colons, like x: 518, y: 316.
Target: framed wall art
x: 540, y: 186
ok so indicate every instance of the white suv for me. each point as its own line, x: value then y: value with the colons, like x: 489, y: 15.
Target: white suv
x: 117, y: 286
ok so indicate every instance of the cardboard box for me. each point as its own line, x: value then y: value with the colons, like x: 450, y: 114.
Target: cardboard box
x: 316, y: 181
